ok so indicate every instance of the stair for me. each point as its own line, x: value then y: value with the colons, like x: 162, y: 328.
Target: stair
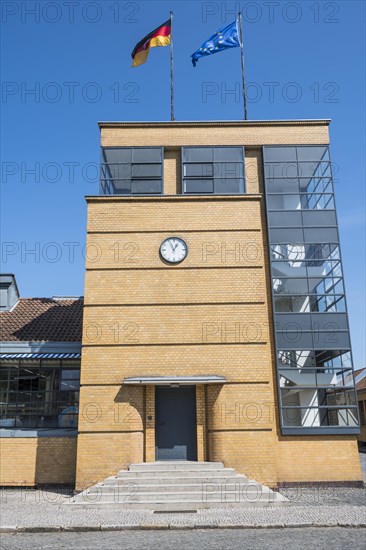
x: 177, y: 486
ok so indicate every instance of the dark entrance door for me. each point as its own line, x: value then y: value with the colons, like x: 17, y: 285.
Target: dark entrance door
x: 175, y: 431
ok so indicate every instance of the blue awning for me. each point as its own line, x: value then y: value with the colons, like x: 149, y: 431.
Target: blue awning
x: 40, y: 355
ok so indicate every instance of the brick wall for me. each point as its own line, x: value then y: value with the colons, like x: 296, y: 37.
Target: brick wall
x: 33, y: 461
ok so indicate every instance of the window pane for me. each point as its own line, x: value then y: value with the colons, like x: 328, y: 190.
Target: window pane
x: 121, y: 187
x: 280, y: 153
x: 198, y: 186
x: 326, y: 285
x: 317, y: 201
x: 318, y: 417
x: 227, y: 154
x: 289, y: 219
x: 290, y: 286
x: 146, y: 186
x: 146, y: 154
x: 116, y: 154
x: 33, y: 395
x: 319, y: 218
x: 230, y: 170
x: 316, y: 185
x: 283, y: 186
x: 294, y: 340
x: 198, y: 169
x: 284, y: 235
x: 197, y: 154
x: 289, y: 269
x: 295, y: 304
x: 313, y: 153
x: 229, y: 186
x: 322, y: 234
x: 286, y: 171
x: 310, y: 169
x: 146, y: 171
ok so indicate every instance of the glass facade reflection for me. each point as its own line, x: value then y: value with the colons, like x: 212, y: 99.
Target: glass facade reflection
x: 39, y: 394
x: 314, y: 365
x: 131, y: 171
x: 213, y: 170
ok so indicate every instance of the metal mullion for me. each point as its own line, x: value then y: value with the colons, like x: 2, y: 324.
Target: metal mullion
x: 333, y: 407
x: 340, y: 388
x: 340, y: 370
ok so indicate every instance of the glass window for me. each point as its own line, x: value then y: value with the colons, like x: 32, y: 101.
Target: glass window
x: 199, y: 186
x: 291, y: 219
x: 321, y: 235
x: 147, y: 155
x: 314, y: 417
x: 285, y: 171
x: 39, y: 394
x: 126, y: 170
x: 218, y: 170
x: 280, y: 154
x: 314, y: 153
x: 319, y: 218
x: 146, y: 187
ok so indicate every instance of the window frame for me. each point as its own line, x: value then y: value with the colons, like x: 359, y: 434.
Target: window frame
x: 325, y: 238
x: 212, y: 178
x: 104, y: 163
x: 42, y: 401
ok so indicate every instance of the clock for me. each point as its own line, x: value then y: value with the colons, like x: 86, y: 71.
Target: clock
x: 173, y: 250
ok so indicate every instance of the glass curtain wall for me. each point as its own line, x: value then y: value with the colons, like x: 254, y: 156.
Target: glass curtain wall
x: 313, y: 350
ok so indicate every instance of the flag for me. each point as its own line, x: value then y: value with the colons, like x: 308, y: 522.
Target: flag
x: 224, y: 38
x: 158, y: 37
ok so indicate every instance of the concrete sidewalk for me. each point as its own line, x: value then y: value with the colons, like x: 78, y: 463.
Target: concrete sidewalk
x: 47, y: 511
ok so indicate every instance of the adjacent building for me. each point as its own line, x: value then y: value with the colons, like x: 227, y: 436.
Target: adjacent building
x: 360, y: 380
x: 39, y: 386
x: 214, y: 319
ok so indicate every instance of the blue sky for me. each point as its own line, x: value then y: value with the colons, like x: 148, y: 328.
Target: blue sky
x: 303, y: 60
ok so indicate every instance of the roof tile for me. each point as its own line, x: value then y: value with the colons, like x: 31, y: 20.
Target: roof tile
x: 43, y: 320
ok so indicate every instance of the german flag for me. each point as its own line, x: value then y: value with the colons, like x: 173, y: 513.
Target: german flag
x: 158, y: 37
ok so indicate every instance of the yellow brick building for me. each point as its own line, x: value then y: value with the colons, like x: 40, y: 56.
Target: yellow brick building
x: 155, y: 328
x: 214, y: 324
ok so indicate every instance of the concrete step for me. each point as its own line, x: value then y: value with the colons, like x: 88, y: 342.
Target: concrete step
x: 177, y: 485
x: 170, y: 480
x: 174, y: 474
x: 183, y: 496
x: 180, y: 465
x: 173, y: 506
x: 201, y: 488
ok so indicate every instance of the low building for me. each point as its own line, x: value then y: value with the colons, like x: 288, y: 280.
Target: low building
x: 39, y: 387
x: 360, y: 380
x: 215, y: 325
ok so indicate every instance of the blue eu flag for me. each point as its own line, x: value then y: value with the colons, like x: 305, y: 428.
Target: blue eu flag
x: 224, y: 38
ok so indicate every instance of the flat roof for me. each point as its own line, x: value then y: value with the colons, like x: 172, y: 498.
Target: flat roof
x: 227, y: 123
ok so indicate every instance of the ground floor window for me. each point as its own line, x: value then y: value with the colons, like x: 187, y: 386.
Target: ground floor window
x: 39, y: 393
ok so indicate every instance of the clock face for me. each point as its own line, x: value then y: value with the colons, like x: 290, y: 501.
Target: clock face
x: 173, y: 250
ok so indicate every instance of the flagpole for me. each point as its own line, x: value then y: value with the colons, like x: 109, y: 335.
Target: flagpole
x: 171, y: 70
x: 242, y: 67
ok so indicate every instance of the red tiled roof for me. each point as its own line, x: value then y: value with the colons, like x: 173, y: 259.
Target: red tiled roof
x: 361, y: 384
x: 43, y: 320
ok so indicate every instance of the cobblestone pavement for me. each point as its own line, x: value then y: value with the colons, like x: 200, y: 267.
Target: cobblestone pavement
x: 337, y: 538
x: 322, y: 506
x: 319, y: 506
